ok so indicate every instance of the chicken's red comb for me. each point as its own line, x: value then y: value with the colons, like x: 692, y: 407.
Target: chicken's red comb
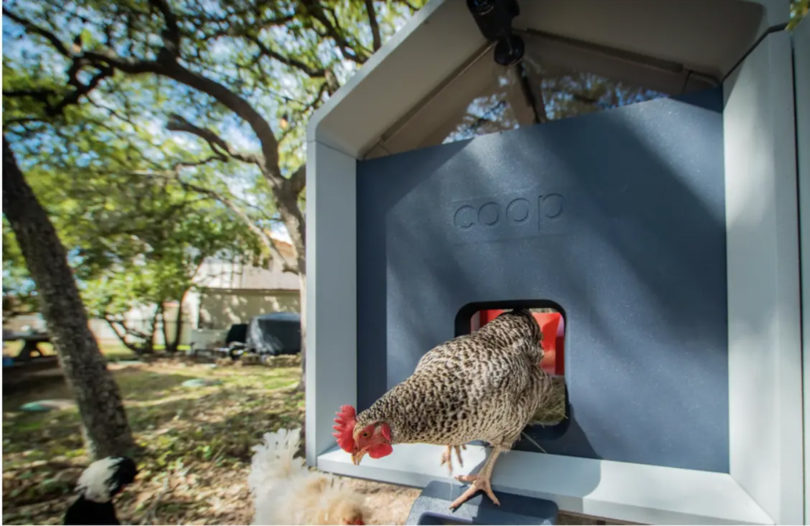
x: 344, y: 428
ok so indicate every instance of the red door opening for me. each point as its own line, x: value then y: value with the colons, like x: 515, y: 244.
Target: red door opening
x: 552, y: 325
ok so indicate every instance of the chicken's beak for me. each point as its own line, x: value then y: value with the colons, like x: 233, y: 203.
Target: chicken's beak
x: 357, y: 456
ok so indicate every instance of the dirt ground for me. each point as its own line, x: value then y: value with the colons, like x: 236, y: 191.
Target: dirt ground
x: 195, y: 444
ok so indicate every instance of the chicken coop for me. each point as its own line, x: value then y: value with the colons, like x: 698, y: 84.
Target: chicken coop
x: 639, y: 170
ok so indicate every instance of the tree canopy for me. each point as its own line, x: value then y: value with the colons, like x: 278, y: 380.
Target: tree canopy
x: 234, y: 82
x: 136, y: 115
x: 136, y: 234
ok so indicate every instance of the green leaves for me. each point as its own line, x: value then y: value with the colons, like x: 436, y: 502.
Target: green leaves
x: 134, y: 235
x: 19, y: 292
x: 89, y: 87
x: 798, y: 10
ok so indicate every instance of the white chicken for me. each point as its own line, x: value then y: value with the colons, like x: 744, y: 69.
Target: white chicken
x: 286, y: 492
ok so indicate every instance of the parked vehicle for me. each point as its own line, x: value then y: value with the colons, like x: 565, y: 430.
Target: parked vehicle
x: 274, y: 333
x: 268, y: 334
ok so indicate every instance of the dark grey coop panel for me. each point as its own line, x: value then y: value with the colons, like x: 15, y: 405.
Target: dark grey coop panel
x: 618, y: 217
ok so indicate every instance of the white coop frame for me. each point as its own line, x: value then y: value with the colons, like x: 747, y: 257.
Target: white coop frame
x: 762, y: 123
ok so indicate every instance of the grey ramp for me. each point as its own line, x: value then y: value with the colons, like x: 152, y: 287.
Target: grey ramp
x: 618, y: 217
x: 431, y: 507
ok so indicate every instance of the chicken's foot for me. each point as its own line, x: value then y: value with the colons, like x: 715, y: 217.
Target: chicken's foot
x: 447, y: 456
x: 480, y: 482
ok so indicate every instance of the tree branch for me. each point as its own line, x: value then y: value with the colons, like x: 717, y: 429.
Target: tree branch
x: 375, y: 26
x: 134, y: 67
x: 298, y: 180
x: 266, y: 239
x: 81, y: 89
x: 78, y: 63
x: 170, y: 35
x: 113, y: 112
x: 30, y: 27
x: 233, y: 23
x: 412, y: 7
x: 349, y: 50
x: 242, y: 108
x: 289, y: 61
x: 172, y: 69
x: 189, y: 164
x: 41, y: 94
x: 44, y: 95
x: 127, y: 331
x: 166, y: 65
x: 220, y: 148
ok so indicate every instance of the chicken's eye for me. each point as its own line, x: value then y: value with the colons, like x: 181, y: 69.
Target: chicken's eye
x: 364, y: 434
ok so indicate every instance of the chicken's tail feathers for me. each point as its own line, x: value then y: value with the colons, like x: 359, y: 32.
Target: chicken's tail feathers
x: 273, y: 460
x: 104, y: 478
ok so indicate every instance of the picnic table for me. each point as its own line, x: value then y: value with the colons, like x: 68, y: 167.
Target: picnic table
x: 30, y: 345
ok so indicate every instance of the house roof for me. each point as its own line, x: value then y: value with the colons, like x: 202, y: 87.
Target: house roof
x: 220, y: 273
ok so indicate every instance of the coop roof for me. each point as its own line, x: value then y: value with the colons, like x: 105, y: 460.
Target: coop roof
x: 406, y: 95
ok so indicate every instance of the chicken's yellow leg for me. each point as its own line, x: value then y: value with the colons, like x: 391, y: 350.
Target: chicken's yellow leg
x: 480, y: 481
x: 447, y: 456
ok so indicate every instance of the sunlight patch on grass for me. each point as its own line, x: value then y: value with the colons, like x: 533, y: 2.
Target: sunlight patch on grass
x: 116, y: 351
x: 204, y: 433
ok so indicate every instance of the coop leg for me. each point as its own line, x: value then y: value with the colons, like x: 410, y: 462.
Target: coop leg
x: 479, y: 481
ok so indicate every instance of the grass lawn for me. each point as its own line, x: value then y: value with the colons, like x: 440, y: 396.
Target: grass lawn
x: 112, y: 351
x: 195, y: 441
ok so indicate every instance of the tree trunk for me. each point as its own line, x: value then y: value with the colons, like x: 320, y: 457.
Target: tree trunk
x: 104, y: 422
x: 150, y: 343
x: 164, y: 331
x: 122, y: 335
x: 295, y: 222
x: 178, y: 325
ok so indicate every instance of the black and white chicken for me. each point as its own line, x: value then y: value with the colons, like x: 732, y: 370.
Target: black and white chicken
x: 97, y: 486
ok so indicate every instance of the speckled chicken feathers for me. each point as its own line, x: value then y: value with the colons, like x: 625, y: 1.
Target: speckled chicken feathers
x: 482, y: 386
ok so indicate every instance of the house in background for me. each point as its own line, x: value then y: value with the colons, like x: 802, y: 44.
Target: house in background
x: 229, y: 292
x: 225, y: 292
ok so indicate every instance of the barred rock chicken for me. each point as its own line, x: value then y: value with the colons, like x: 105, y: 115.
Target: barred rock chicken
x: 286, y: 492
x: 482, y: 386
